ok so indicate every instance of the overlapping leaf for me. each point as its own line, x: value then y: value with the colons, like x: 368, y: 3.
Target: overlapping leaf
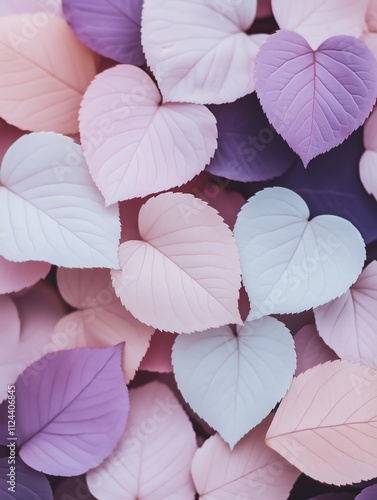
x: 136, y: 145
x: 50, y: 208
x: 326, y: 424
x: 211, y: 62
x: 290, y: 264
x: 154, y: 455
x: 250, y: 470
x: 315, y: 99
x: 101, y: 319
x: 233, y: 380
x: 44, y: 72
x: 183, y: 274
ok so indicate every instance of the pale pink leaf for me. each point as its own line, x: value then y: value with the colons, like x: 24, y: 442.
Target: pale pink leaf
x: 101, y: 321
x: 206, y: 62
x: 44, y: 72
x: 39, y: 310
x: 134, y: 144
x: 250, y: 471
x: 310, y: 349
x: 370, y: 131
x: 368, y: 161
x: 319, y: 20
x: 158, y: 356
x: 45, y: 9
x: 15, y: 276
x: 348, y: 324
x: 368, y: 171
x: 152, y: 460
x: 184, y: 273
x: 326, y: 425
x: 50, y: 208
x: 234, y: 379
x: 371, y: 16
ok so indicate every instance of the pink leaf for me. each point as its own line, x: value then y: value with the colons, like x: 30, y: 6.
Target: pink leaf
x: 310, y: 349
x: 251, y: 470
x: 326, y: 425
x: 27, y: 336
x: 51, y: 209
x: 102, y: 320
x: 45, y: 9
x: 370, y: 131
x: 135, y: 145
x: 184, y: 274
x: 368, y: 161
x: 348, y: 324
x: 72, y: 413
x: 206, y: 62
x: 158, y: 356
x: 152, y: 460
x: 233, y: 380
x: 15, y: 276
x: 315, y: 99
x: 368, y: 171
x: 44, y: 72
x: 318, y: 20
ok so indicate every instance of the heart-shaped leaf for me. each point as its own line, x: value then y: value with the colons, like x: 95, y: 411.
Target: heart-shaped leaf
x: 327, y: 423
x: 44, y: 71
x: 135, y: 145
x: 250, y: 470
x: 153, y: 458
x: 231, y: 380
x: 27, y: 325
x: 183, y: 275
x: 369, y: 493
x: 319, y: 186
x: 318, y: 20
x: 348, y: 324
x: 315, y: 99
x: 111, y: 28
x: 28, y: 483
x: 206, y: 62
x: 50, y: 208
x: 310, y: 349
x: 102, y: 320
x: 72, y: 412
x: 249, y: 148
x: 290, y: 264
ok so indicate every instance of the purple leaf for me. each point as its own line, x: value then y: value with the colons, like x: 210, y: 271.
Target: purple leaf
x: 109, y: 27
x: 369, y: 493
x: 331, y: 185
x: 29, y: 484
x: 71, y: 410
x: 249, y: 148
x: 315, y: 99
